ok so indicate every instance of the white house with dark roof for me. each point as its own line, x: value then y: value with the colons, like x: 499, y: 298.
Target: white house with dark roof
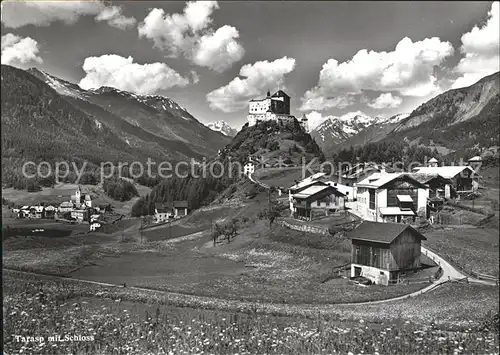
x: 317, y: 200
x: 391, y: 197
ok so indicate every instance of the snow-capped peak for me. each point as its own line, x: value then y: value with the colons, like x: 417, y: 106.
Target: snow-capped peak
x: 396, y: 118
x: 222, y: 127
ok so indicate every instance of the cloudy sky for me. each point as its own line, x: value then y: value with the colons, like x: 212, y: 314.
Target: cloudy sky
x: 332, y: 58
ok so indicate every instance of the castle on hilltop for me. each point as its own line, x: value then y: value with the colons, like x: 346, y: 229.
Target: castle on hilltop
x: 274, y: 107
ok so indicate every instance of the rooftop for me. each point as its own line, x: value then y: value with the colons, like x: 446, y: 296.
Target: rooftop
x: 378, y: 180
x: 307, y: 181
x: 447, y: 172
x: 381, y: 232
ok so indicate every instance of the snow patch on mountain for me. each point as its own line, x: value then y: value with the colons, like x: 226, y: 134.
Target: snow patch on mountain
x: 222, y: 127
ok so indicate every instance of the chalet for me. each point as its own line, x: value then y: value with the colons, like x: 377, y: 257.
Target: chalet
x: 24, y: 212
x: 391, y: 197
x: 462, y: 177
x: 163, y: 212
x: 81, y: 215
x: 36, y: 212
x: 381, y: 251
x: 180, y: 209
x: 50, y: 211
x: 348, y: 191
x: 361, y: 171
x: 317, y: 200
x: 475, y: 163
x: 438, y: 186
x: 66, y: 206
x: 313, y: 180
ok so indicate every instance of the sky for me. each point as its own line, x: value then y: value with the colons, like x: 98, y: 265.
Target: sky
x: 333, y: 58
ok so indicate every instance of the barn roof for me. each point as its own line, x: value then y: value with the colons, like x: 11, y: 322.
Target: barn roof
x: 378, y: 180
x: 180, y: 204
x: 307, y: 181
x: 381, y: 232
x: 313, y: 190
x: 447, y: 172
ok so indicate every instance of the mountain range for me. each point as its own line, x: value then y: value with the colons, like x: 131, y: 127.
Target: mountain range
x: 47, y: 118
x: 335, y: 131
x: 457, y: 119
x: 222, y: 127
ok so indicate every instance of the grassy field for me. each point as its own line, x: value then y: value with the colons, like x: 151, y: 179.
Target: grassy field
x: 470, y: 248
x: 125, y: 321
x: 283, y: 266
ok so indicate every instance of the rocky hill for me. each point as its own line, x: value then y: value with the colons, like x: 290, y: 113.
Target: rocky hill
x: 270, y: 140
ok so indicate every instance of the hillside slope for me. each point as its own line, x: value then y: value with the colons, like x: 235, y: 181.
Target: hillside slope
x: 269, y: 140
x: 156, y: 114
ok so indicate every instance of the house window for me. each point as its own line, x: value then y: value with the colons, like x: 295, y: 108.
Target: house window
x: 372, y: 198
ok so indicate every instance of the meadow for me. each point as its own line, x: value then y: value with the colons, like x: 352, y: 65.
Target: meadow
x: 474, y: 249
x: 123, y: 321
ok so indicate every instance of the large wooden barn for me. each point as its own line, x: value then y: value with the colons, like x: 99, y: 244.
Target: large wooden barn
x: 380, y: 251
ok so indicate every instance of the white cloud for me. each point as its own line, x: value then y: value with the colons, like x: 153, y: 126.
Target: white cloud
x: 219, y: 50
x: 17, y: 50
x: 16, y: 14
x: 190, y: 34
x: 122, y: 73
x: 114, y: 17
x: 386, y: 100
x: 481, y: 49
x: 407, y: 69
x: 315, y: 118
x: 257, y: 79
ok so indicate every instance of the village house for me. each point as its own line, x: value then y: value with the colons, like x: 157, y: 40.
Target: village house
x: 382, y: 251
x: 317, y: 201
x: 163, y: 212
x: 352, y: 175
x: 463, y: 178
x: 64, y: 207
x: 180, y: 209
x: 315, y: 179
x: 81, y: 215
x: 36, y: 212
x: 348, y: 191
x: 391, y: 197
x: 50, y: 211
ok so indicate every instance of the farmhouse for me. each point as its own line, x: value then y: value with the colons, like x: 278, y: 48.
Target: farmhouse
x: 381, y: 251
x: 317, y: 200
x: 439, y: 187
x: 391, y: 197
x: 50, y: 211
x: 360, y: 171
x: 313, y: 180
x: 80, y: 215
x: 162, y: 212
x: 180, y: 209
x: 274, y: 107
x: 348, y: 191
x: 462, y: 177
